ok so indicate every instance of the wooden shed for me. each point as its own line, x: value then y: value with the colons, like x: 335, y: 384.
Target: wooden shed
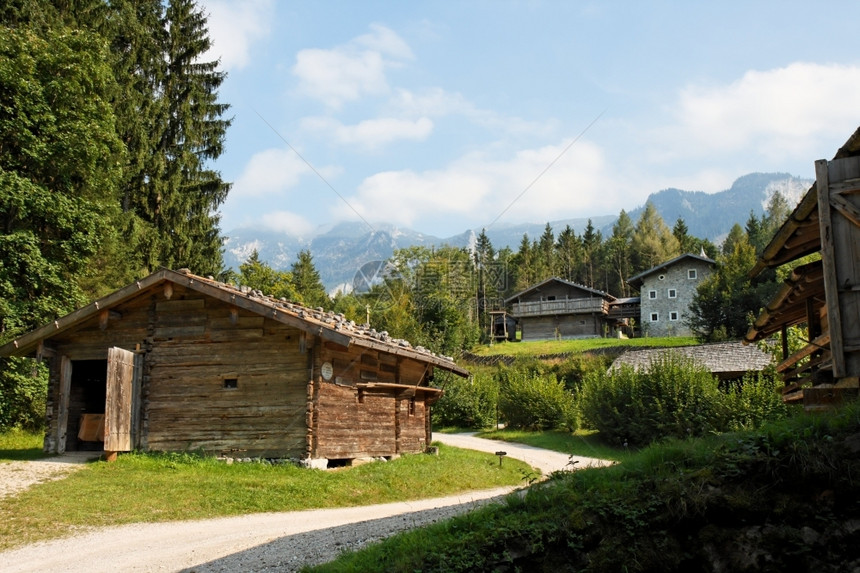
x: 824, y: 294
x: 178, y: 362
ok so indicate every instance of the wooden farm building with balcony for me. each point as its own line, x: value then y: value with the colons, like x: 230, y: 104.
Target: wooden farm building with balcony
x: 178, y: 362
x: 824, y: 294
x: 555, y: 309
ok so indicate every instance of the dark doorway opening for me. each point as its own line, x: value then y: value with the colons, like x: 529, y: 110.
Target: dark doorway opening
x: 86, y: 402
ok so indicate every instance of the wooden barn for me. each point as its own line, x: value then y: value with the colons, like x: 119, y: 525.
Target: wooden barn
x: 178, y: 362
x: 824, y: 294
x: 556, y: 308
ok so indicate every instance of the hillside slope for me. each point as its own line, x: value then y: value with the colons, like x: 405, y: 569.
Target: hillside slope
x: 781, y: 499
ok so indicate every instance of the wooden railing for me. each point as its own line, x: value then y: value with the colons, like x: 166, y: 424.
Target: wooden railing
x: 566, y: 306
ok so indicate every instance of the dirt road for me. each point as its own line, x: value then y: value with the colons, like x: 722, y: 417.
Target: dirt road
x: 263, y: 542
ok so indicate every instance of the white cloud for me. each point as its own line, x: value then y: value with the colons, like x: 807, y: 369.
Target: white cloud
x: 349, y: 72
x: 234, y: 26
x: 269, y: 172
x: 482, y: 188
x: 287, y: 222
x: 771, y: 114
x: 371, y: 133
x: 436, y: 102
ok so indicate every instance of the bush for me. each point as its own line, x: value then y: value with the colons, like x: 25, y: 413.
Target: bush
x: 468, y: 403
x: 23, y: 391
x: 573, y: 370
x: 673, y: 397
x: 754, y: 401
x: 536, y: 401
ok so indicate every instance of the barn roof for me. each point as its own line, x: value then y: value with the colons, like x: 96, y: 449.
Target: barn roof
x: 327, y: 325
x: 789, y: 305
x: 799, y: 235
x: 592, y: 291
x: 721, y: 358
x: 636, y: 281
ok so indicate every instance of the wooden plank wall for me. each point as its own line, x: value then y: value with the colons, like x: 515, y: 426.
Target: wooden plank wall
x: 191, y: 344
x: 839, y: 215
x: 199, y: 349
x: 565, y: 326
x: 351, y: 421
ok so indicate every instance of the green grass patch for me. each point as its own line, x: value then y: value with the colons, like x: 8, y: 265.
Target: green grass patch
x: 581, y: 443
x: 547, y: 347
x: 165, y: 487
x: 788, y: 490
x: 21, y: 445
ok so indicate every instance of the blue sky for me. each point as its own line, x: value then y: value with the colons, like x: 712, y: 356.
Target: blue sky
x: 448, y: 115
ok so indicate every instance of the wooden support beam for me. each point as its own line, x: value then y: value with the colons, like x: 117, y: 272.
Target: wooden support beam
x: 819, y: 343
x: 828, y: 261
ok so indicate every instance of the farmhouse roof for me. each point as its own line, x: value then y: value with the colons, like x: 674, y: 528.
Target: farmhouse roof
x: 327, y: 325
x: 721, y: 358
x: 636, y: 281
x: 539, y: 285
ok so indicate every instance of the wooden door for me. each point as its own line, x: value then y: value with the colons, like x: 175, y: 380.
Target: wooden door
x: 118, y: 400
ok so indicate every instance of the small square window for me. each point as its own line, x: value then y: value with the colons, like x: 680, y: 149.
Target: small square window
x: 673, y: 315
x: 231, y: 382
x: 652, y: 294
x: 654, y: 317
x: 691, y: 274
x: 673, y: 293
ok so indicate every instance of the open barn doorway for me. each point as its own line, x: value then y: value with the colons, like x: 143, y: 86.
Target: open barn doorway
x: 87, y: 391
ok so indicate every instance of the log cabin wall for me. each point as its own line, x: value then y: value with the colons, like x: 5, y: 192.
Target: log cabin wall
x: 561, y: 326
x: 215, y: 378
x: 359, y: 413
x: 223, y: 380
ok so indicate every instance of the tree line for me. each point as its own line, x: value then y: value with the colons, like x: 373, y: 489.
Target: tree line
x: 109, y: 120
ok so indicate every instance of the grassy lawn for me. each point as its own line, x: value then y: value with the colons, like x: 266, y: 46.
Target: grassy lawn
x: 151, y: 487
x: 582, y: 443
x: 542, y: 347
x: 21, y: 445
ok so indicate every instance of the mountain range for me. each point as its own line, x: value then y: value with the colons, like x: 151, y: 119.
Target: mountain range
x: 340, y: 250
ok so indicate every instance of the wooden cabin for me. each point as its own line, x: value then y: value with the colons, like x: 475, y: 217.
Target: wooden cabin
x: 823, y: 294
x: 178, y: 362
x: 557, y: 308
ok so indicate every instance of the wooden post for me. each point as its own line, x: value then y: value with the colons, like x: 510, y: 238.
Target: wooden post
x: 63, y: 408
x: 828, y: 261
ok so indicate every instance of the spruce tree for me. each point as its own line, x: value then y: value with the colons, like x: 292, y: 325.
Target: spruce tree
x: 307, y: 282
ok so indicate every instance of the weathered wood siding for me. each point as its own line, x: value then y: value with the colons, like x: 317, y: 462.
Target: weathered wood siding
x: 225, y: 380
x: 839, y: 215
x: 561, y: 326
x: 352, y: 418
x: 191, y: 345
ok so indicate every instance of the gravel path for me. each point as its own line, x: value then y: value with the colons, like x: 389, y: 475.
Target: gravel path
x: 15, y: 477
x: 263, y: 542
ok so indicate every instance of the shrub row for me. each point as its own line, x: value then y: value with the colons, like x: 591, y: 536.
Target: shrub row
x: 673, y: 397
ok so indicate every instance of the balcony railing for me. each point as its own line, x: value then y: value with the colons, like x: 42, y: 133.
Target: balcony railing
x: 566, y: 306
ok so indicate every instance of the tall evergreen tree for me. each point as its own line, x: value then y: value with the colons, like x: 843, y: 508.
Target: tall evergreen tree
x: 620, y: 254
x: 180, y: 202
x: 545, y: 254
x: 591, y: 242
x: 653, y: 242
x: 568, y: 250
x: 306, y: 280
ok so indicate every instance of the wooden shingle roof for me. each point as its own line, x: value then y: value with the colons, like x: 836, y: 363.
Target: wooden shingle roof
x: 721, y: 358
x: 327, y: 325
x: 589, y: 290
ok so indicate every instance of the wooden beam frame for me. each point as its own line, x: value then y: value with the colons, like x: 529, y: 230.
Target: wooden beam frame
x: 828, y: 261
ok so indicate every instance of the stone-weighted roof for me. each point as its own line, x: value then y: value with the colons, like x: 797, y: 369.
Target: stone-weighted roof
x: 721, y: 358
